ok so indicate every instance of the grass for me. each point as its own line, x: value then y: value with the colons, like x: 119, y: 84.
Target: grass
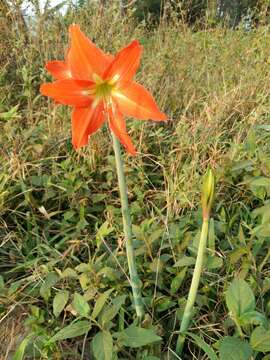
x: 60, y: 218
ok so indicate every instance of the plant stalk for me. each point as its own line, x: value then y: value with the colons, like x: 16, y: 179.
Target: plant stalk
x: 193, y: 287
x: 134, y: 278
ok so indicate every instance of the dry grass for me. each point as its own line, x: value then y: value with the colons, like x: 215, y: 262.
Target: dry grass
x: 214, y: 85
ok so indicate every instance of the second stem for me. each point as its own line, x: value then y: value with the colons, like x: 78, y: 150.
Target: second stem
x: 193, y: 287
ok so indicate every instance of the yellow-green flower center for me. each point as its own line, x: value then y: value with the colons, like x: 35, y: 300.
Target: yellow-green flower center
x: 103, y: 90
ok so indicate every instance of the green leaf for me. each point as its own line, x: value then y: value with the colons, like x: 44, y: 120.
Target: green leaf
x: 165, y: 303
x: 110, y: 273
x: 12, y: 113
x: 73, y: 330
x: 83, y: 267
x: 100, y: 303
x: 135, y: 337
x: 240, y: 298
x: 69, y: 273
x: 261, y: 181
x: 19, y: 354
x: 260, y: 339
x: 2, y: 283
x: 178, y: 280
x: 102, y: 346
x: 234, y: 349
x: 214, y: 262
x: 253, y: 318
x: 185, y: 261
x: 102, y: 232
x: 80, y: 305
x: 45, y: 289
x: 155, y: 235
x: 204, y: 346
x: 59, y: 302
x: 112, y: 310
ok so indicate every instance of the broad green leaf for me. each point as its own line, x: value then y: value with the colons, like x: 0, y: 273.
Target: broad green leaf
x: 263, y: 211
x: 96, y: 198
x: 253, y: 318
x: 185, y: 261
x: 84, y: 281
x: 236, y: 255
x: 138, y: 232
x: 69, y: 273
x: 19, y: 354
x: 83, y: 267
x: 135, y: 337
x: 261, y: 230
x: 80, y: 305
x: 234, y: 349
x: 100, y: 303
x: 102, y: 232
x: 214, y: 262
x: 260, y: 339
x: 178, y: 280
x: 240, y: 165
x: 240, y: 298
x: 110, y: 273
x: 261, y: 181
x: 155, y: 235
x: 102, y: 346
x: 266, y: 285
x: 204, y: 346
x: 112, y: 310
x: 45, y: 289
x: 165, y: 303
x: 59, y: 302
x: 73, y: 330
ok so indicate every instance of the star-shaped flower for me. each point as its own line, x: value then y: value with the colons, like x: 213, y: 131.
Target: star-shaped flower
x: 100, y: 87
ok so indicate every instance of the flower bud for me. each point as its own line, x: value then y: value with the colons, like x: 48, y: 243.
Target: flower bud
x: 208, y: 189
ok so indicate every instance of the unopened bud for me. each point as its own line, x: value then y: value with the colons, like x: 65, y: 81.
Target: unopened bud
x: 208, y: 190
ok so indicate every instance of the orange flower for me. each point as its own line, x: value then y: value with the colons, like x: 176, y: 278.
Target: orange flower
x: 100, y: 86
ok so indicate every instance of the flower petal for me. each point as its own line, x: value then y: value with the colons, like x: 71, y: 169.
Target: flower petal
x: 85, y: 121
x: 69, y: 92
x: 135, y: 101
x: 125, y: 64
x: 84, y: 57
x: 58, y: 69
x: 118, y: 127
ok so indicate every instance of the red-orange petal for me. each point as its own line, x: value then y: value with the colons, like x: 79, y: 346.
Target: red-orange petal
x: 118, y: 127
x: 85, y: 121
x: 125, y: 64
x: 84, y: 57
x: 69, y: 92
x: 58, y: 69
x: 135, y: 101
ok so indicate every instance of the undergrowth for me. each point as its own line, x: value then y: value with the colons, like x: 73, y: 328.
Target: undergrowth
x: 62, y: 256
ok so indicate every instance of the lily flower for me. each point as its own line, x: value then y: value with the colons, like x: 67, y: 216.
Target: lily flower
x: 100, y: 87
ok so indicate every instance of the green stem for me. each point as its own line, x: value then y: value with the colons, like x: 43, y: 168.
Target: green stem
x: 193, y: 288
x: 134, y: 278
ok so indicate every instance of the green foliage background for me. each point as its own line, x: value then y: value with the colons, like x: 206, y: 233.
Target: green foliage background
x: 63, y: 283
